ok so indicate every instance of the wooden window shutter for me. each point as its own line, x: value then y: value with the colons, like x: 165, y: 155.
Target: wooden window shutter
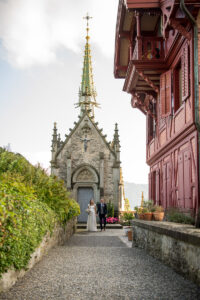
x: 162, y: 94
x: 185, y: 72
x: 168, y: 87
x: 176, y: 89
x: 165, y: 93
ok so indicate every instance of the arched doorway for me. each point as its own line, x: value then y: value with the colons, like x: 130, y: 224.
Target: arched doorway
x: 85, y: 180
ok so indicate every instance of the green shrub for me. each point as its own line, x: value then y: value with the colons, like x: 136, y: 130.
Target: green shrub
x: 110, y: 210
x: 31, y: 203
x: 174, y: 215
x: 48, y: 189
x: 23, y: 222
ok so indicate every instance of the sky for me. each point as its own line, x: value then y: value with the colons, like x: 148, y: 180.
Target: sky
x: 41, y: 58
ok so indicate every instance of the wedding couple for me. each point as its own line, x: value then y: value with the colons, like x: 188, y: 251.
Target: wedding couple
x: 101, y: 210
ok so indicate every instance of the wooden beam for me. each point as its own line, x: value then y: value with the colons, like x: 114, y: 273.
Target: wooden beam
x: 121, y: 68
x: 175, y: 23
x: 142, y: 3
x: 150, y: 83
x: 124, y: 34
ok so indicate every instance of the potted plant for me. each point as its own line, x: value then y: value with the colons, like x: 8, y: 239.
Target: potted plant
x: 127, y: 217
x: 158, y: 214
x: 148, y: 210
x: 147, y: 214
x: 141, y: 213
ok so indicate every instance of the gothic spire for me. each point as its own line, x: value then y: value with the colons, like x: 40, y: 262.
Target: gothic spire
x: 87, y: 91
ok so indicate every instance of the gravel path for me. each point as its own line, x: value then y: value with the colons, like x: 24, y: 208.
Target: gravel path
x: 101, y: 266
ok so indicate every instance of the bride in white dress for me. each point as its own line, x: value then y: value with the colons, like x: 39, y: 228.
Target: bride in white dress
x: 91, y: 221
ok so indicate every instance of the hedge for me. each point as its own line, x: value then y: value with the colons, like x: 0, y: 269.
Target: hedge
x: 31, y: 203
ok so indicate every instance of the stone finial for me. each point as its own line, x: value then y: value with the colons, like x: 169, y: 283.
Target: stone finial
x: 55, y: 137
x: 116, y: 143
x: 116, y: 136
x: 59, y: 141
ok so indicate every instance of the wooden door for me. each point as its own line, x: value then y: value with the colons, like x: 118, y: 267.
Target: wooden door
x: 180, y: 181
x: 84, y: 196
x: 158, y: 202
x: 164, y: 171
x: 167, y: 185
x: 187, y: 180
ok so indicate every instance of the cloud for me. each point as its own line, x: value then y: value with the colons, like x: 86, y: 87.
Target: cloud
x: 33, y: 31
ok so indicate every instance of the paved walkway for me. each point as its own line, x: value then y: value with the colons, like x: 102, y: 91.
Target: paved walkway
x: 101, y: 266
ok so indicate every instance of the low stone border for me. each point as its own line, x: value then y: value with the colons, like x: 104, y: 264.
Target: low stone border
x: 177, y: 245
x: 59, y: 236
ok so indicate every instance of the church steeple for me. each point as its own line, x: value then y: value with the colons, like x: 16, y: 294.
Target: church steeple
x: 87, y: 91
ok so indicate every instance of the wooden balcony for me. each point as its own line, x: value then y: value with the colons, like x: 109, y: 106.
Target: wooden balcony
x: 146, y: 64
x: 149, y: 49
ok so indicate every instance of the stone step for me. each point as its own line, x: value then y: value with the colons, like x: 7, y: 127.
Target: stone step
x: 108, y: 226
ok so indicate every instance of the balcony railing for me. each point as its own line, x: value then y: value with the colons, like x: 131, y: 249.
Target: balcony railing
x: 148, y: 48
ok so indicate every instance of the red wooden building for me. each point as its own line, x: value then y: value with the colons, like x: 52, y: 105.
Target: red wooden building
x: 157, y: 51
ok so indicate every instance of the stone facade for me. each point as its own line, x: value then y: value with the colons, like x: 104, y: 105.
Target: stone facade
x: 86, y: 159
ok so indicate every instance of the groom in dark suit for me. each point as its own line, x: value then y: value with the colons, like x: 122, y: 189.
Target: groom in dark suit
x: 102, y: 211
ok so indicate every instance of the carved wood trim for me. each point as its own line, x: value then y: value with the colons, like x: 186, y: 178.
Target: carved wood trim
x: 175, y: 24
x: 150, y: 83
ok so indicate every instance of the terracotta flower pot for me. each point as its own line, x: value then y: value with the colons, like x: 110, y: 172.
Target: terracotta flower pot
x: 130, y: 235
x: 126, y: 230
x: 158, y: 215
x: 141, y: 216
x: 148, y: 216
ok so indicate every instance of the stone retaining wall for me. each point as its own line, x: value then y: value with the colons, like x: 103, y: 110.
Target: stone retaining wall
x: 177, y: 245
x: 59, y: 236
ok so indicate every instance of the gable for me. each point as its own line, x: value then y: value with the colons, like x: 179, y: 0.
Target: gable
x: 82, y: 130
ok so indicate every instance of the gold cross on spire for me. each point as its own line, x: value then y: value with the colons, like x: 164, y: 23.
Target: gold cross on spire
x: 87, y: 18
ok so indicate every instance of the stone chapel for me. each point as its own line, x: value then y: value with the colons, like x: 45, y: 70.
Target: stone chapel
x: 86, y: 161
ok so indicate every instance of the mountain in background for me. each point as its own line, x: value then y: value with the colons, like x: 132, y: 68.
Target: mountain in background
x: 134, y: 191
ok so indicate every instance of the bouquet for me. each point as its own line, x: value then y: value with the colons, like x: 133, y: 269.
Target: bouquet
x: 87, y: 211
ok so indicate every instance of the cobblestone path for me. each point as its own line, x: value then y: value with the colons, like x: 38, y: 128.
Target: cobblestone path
x: 101, y: 266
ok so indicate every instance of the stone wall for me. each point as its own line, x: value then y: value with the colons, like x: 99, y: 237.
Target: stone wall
x: 177, y: 245
x: 59, y: 236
